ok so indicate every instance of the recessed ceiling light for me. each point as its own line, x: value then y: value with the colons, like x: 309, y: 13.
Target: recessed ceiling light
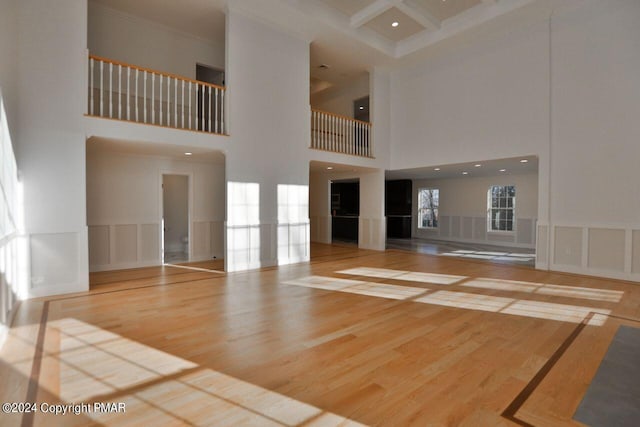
x: 329, y: 167
x: 188, y: 154
x: 465, y: 173
x: 395, y: 24
x: 436, y: 169
x: 477, y: 165
x: 503, y: 170
x: 361, y: 107
x: 524, y: 161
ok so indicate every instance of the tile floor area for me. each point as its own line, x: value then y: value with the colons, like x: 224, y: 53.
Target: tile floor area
x: 490, y: 253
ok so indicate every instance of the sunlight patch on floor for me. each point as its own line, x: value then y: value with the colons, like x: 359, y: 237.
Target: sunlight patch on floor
x: 159, y: 388
x: 546, y: 289
x: 412, y: 276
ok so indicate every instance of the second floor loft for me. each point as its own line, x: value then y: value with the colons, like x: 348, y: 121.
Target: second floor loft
x: 128, y: 92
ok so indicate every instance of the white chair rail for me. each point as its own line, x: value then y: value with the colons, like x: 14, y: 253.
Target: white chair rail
x: 340, y: 134
x: 128, y: 92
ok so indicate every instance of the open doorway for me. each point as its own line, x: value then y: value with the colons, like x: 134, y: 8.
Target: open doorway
x: 175, y: 218
x: 345, y: 210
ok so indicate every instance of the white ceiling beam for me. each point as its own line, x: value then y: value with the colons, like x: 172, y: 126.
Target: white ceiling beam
x: 370, y: 12
x: 419, y: 14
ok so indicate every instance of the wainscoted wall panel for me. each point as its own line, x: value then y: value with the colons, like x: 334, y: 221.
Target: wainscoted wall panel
x: 217, y: 239
x: 48, y: 268
x: 473, y: 229
x: 293, y: 243
x: 201, y: 239
x: 445, y: 227
x: 606, y: 249
x: 321, y: 229
x: 635, y: 252
x: 467, y: 228
x: 455, y: 227
x: 479, y: 229
x: 525, y: 230
x: 99, y: 247
x: 126, y: 243
x: 372, y: 233
x: 568, y: 246
x: 150, y: 242
x: 543, y: 243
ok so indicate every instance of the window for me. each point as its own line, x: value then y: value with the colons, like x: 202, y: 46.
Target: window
x: 501, y: 204
x: 428, y: 202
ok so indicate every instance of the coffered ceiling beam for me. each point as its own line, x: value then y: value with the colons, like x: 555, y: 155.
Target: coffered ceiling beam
x: 418, y: 13
x: 370, y: 12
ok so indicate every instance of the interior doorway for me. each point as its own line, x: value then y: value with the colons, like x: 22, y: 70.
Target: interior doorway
x: 175, y: 218
x: 345, y: 210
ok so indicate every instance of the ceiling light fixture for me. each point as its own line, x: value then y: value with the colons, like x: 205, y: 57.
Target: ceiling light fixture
x: 188, y: 154
x: 503, y: 170
x: 361, y: 107
x: 329, y: 167
x: 436, y: 169
x: 465, y: 173
x: 477, y: 165
x: 395, y: 24
x: 524, y: 161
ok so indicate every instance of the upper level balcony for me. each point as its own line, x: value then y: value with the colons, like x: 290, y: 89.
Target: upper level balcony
x: 131, y: 93
x: 340, y: 134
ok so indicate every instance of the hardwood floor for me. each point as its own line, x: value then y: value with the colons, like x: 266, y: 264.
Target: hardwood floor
x: 376, y: 338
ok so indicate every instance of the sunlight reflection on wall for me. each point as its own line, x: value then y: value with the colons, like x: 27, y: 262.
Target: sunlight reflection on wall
x: 293, y: 223
x: 12, y: 246
x: 243, y: 226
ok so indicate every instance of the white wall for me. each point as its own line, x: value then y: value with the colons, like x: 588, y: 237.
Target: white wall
x: 269, y: 123
x: 595, y: 211
x: 124, y: 208
x: 50, y: 150
x: 463, y: 210
x: 562, y: 86
x: 9, y: 55
x: 339, y: 99
x: 123, y: 37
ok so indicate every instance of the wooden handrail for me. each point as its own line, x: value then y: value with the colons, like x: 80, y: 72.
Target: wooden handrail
x: 340, y: 116
x: 149, y: 70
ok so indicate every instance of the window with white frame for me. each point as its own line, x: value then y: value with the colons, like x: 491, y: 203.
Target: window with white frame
x: 428, y: 202
x: 501, y: 207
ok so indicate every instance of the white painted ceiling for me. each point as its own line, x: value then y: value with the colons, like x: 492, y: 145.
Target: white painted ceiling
x: 97, y: 145
x: 511, y: 166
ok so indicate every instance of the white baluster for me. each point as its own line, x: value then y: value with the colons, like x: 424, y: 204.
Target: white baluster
x: 190, y: 119
x: 215, y: 117
x: 161, y: 88
x: 128, y: 93
x: 182, y: 105
x: 223, y: 125
x: 119, y: 91
x: 110, y: 90
x: 175, y: 103
x: 137, y: 96
x: 91, y: 86
x: 210, y: 110
x: 144, y: 109
x: 168, y: 101
x: 101, y: 88
x: 153, y: 98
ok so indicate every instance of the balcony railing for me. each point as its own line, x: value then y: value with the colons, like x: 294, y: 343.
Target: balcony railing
x: 340, y: 134
x: 128, y: 92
